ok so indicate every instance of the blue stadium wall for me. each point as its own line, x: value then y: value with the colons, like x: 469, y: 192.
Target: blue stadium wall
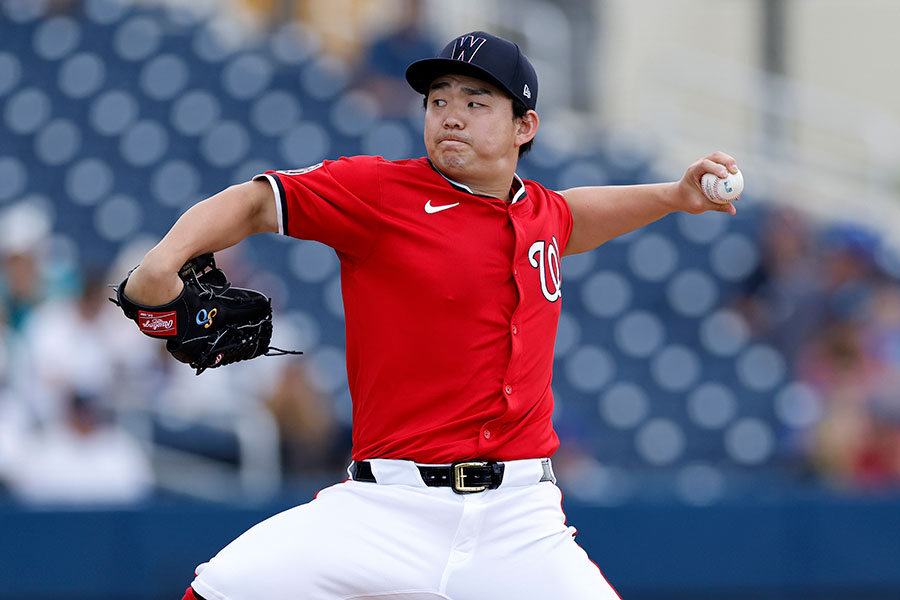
x: 816, y: 548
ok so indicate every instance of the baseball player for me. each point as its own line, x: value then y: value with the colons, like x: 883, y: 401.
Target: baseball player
x: 451, y: 282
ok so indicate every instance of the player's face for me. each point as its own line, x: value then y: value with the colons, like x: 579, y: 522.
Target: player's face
x: 469, y: 127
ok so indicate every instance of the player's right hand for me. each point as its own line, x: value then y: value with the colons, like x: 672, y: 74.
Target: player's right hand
x: 690, y: 196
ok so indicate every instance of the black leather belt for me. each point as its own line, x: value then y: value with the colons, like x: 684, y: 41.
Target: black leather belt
x: 463, y: 477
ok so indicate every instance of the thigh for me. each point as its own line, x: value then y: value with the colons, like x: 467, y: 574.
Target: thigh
x: 354, y: 540
x: 526, y: 551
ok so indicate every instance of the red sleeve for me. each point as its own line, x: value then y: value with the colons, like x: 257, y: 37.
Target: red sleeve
x: 565, y: 219
x: 556, y: 206
x: 335, y: 202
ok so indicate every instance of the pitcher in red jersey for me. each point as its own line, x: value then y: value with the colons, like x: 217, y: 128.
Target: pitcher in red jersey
x: 452, y: 286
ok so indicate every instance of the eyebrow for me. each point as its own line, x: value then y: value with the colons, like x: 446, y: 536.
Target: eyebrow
x: 465, y: 89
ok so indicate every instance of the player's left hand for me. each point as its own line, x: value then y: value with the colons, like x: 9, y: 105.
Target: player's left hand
x: 689, y: 193
x: 210, y: 323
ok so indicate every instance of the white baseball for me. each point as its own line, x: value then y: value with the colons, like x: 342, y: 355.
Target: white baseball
x: 722, y: 191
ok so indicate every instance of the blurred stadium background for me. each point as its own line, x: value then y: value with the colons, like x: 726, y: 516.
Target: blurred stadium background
x: 726, y: 387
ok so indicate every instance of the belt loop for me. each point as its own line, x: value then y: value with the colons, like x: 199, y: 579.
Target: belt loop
x: 549, y: 475
x: 497, y: 474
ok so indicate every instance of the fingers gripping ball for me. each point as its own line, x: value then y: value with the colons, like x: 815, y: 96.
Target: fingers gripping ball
x: 722, y: 191
x: 211, y: 323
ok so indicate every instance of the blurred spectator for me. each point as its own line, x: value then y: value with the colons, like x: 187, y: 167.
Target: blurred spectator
x: 81, y: 459
x: 382, y: 69
x: 60, y: 442
x: 855, y: 444
x: 852, y: 362
x: 881, y: 332
x: 312, y: 441
x: 69, y: 351
x: 26, y: 279
x: 15, y: 417
x: 836, y: 365
x: 23, y: 289
x: 781, y: 299
x: 848, y: 271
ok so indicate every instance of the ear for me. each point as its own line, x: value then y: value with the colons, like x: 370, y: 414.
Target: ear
x: 526, y: 128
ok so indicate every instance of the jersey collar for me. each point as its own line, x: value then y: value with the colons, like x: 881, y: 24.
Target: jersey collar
x: 517, y: 189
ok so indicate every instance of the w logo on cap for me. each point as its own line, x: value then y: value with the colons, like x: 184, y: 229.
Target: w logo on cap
x: 466, y: 47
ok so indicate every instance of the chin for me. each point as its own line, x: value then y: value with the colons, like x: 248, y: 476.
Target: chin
x: 451, y: 162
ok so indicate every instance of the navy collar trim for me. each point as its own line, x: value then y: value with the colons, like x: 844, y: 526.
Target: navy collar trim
x: 517, y: 189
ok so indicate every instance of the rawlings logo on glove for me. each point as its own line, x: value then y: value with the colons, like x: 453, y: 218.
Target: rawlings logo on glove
x: 157, y: 323
x: 211, y: 323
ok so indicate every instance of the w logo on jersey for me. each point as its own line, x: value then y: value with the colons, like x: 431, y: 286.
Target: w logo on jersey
x: 545, y: 258
x: 466, y: 47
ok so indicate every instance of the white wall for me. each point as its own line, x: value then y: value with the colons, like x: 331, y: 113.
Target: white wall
x: 687, y: 75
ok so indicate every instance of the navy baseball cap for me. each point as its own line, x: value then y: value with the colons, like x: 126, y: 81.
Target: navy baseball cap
x: 484, y: 56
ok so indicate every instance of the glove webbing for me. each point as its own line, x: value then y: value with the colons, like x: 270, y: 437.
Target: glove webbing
x: 202, y: 363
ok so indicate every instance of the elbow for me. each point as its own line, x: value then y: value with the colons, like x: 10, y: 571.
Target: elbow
x: 576, y: 249
x: 580, y: 242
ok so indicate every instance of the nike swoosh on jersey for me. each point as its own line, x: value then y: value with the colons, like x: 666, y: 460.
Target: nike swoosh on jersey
x: 436, y: 209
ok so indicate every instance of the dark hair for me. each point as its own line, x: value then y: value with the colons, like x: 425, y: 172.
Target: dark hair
x: 519, y: 110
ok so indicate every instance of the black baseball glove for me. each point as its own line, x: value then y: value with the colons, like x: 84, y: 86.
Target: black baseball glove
x: 211, y: 323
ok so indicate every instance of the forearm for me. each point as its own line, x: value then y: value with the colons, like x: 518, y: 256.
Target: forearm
x: 214, y: 224
x: 603, y: 213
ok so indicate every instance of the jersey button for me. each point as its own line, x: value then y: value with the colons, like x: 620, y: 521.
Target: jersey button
x: 487, y: 434
x: 508, y: 389
x: 515, y: 330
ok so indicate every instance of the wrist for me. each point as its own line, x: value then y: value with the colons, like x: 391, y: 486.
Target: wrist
x: 670, y: 196
x: 154, y: 282
x: 161, y: 264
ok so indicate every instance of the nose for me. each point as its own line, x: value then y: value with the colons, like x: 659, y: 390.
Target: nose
x: 452, y: 119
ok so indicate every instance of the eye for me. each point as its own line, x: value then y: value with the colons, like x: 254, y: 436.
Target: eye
x: 474, y: 104
x: 439, y: 102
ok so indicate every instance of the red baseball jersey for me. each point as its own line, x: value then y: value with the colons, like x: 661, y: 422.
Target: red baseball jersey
x: 451, y: 302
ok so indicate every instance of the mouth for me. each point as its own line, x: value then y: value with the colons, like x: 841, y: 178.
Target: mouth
x: 452, y: 140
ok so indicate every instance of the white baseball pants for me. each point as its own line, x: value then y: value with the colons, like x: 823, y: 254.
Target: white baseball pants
x: 398, y: 539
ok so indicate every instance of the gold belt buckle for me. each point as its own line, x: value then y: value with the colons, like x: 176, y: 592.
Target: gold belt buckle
x: 459, y: 477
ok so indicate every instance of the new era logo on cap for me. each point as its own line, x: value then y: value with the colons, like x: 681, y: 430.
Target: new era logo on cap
x: 484, y: 56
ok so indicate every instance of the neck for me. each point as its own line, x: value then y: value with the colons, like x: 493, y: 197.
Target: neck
x: 501, y: 192
x: 495, y: 186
